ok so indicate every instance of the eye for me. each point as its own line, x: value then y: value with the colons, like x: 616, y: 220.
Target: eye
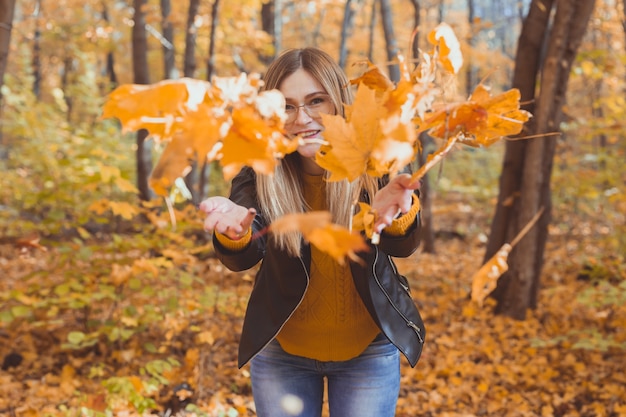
x: 317, y: 101
x: 290, y: 108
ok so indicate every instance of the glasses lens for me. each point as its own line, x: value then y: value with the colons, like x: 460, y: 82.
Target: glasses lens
x: 313, y: 107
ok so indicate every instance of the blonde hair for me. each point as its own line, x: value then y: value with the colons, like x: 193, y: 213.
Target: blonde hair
x: 281, y: 193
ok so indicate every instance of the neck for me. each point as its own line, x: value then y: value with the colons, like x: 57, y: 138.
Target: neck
x: 310, y: 167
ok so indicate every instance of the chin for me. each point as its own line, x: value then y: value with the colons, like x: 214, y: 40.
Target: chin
x: 309, y: 150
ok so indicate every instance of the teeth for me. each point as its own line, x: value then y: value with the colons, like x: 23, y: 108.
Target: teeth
x: 309, y: 134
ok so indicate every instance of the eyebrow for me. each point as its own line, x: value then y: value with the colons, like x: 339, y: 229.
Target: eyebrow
x: 310, y: 95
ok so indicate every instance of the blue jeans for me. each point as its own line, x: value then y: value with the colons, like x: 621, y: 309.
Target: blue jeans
x: 285, y: 385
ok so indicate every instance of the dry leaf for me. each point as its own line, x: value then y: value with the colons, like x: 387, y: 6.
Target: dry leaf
x: 317, y: 229
x: 449, y: 48
x: 486, y: 278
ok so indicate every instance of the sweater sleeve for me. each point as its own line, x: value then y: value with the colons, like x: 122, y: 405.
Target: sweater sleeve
x: 234, y: 245
x: 400, y: 225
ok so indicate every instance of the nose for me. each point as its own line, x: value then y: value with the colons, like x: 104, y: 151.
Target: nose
x: 302, y: 116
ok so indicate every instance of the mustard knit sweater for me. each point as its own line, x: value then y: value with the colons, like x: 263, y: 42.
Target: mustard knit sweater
x: 331, y: 323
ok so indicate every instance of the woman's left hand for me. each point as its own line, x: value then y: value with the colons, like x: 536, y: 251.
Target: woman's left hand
x: 394, y: 198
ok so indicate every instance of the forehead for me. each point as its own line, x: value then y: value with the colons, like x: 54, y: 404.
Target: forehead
x: 300, y: 85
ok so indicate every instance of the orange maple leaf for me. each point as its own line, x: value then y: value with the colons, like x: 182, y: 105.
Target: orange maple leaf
x: 486, y: 278
x: 316, y: 228
x: 373, y: 78
x: 364, y: 219
x: 448, y: 47
x: 153, y: 107
x: 482, y: 120
x: 369, y: 140
x: 253, y: 141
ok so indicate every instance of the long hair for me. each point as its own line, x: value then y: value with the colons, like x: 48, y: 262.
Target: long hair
x: 281, y: 193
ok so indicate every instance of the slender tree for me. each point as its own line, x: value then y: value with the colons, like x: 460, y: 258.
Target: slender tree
x: 215, y: 11
x: 469, y: 68
x: 167, y: 43
x: 390, y: 39
x: 267, y: 24
x: 7, y: 10
x: 110, y: 59
x: 426, y: 145
x: 527, y: 164
x: 141, y: 76
x: 37, y: 50
x: 372, y: 32
x: 346, y: 30
x: 189, y: 64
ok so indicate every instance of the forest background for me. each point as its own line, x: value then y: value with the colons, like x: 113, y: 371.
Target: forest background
x: 106, y: 308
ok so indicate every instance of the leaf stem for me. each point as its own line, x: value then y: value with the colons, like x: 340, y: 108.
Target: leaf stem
x: 526, y: 228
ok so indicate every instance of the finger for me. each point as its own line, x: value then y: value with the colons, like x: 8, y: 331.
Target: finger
x: 247, y: 221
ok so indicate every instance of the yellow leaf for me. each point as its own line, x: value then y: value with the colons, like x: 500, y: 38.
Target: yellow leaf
x: 449, y: 47
x: 125, y: 185
x: 368, y: 141
x: 123, y: 209
x: 374, y: 78
x: 364, y: 219
x: 317, y: 229
x: 485, y: 279
x: 206, y: 337
x: 108, y: 172
x: 482, y: 120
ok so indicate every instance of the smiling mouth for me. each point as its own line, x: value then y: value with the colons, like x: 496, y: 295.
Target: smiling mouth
x: 309, y: 134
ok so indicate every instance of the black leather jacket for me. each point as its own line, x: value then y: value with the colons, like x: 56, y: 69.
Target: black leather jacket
x: 282, y: 280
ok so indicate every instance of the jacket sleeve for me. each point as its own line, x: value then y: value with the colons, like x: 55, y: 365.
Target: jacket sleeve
x: 243, y: 192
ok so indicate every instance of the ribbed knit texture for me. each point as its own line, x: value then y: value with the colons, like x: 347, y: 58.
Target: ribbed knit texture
x: 331, y: 323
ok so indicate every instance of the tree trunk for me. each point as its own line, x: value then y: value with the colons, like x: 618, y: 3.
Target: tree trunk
x: 37, y: 51
x: 415, y: 42
x: 470, y: 71
x: 426, y: 142
x: 141, y: 76
x: 278, y: 26
x: 390, y: 39
x: 527, y: 166
x: 267, y: 24
x: 7, y: 10
x: 169, y: 65
x: 110, y: 60
x: 189, y: 66
x: 346, y: 30
x: 214, y: 21
x: 372, y: 33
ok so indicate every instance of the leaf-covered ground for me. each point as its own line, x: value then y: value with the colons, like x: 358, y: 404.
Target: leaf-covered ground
x: 118, y: 326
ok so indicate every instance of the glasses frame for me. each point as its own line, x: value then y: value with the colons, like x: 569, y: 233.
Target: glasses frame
x: 312, y: 113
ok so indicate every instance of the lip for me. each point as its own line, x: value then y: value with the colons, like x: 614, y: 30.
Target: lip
x: 308, y: 134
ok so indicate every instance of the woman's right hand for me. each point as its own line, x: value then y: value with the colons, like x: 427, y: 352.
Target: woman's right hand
x: 226, y: 217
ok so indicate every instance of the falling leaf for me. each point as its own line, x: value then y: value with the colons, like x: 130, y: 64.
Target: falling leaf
x: 316, y: 228
x: 228, y: 120
x: 364, y: 219
x: 485, y: 280
x: 448, y: 46
x: 482, y: 120
x: 358, y: 144
x: 374, y: 78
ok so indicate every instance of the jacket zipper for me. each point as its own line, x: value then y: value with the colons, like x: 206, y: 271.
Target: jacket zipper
x: 408, y: 322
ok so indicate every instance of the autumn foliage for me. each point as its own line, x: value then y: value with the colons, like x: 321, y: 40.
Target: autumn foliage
x: 232, y: 122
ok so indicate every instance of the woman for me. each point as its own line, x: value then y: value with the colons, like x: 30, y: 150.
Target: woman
x: 310, y: 318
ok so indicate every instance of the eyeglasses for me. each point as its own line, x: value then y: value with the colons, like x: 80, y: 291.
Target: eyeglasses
x: 315, y: 105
